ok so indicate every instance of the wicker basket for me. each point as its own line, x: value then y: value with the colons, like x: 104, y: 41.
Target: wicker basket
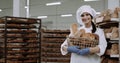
x: 82, y: 42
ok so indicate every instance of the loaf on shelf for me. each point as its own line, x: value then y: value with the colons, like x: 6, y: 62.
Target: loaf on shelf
x: 15, y: 40
x: 107, y: 15
x: 111, y: 32
x: 21, y: 20
x: 13, y: 61
x: 2, y: 20
x: 30, y: 60
x: 114, y: 49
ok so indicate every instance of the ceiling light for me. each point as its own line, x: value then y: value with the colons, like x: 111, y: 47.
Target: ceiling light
x: 66, y: 15
x: 42, y: 17
x: 0, y: 10
x: 54, y: 3
x: 26, y: 7
x: 97, y: 12
x: 91, y: 0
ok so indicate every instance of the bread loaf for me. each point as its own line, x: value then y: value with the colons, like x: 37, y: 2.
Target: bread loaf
x: 2, y: 21
x: 114, y: 33
x: 107, y: 15
x: 32, y: 21
x: 115, y: 13
x: 73, y: 28
x: 114, y: 49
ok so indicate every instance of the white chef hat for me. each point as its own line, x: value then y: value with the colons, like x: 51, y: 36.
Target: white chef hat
x: 81, y: 10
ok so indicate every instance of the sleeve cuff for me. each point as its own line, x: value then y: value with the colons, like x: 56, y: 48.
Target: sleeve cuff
x: 63, y: 52
x: 102, y: 50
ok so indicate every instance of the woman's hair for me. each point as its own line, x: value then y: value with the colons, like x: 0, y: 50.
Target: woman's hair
x: 93, y: 26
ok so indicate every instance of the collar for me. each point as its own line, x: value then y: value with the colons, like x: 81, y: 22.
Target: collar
x: 88, y: 29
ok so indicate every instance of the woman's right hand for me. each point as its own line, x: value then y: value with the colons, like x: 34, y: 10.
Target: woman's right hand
x: 65, y: 48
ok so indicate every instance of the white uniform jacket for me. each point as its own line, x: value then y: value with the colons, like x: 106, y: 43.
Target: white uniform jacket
x: 95, y: 58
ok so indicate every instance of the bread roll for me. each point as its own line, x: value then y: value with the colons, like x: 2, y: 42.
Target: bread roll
x: 115, y: 13
x: 114, y: 49
x: 107, y: 15
x: 114, y: 33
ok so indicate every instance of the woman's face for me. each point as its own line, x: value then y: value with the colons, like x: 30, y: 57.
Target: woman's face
x: 86, y: 18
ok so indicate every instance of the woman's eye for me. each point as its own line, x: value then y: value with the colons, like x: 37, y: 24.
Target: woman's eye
x: 82, y: 15
x: 87, y: 14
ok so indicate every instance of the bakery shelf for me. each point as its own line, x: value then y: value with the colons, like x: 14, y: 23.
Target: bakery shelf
x: 113, y: 48
x: 24, y: 53
x: 54, y: 55
x: 21, y: 47
x: 22, y: 22
x: 115, y: 56
x: 22, y: 39
x: 55, y: 50
x: 19, y: 20
x: 107, y: 24
x: 20, y: 31
x: 56, y: 31
x: 55, y: 60
x: 50, y: 46
x: 114, y: 41
x: 117, y: 39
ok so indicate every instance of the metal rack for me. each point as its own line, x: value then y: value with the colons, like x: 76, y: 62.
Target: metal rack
x: 51, y: 41
x: 21, y: 39
x: 119, y: 37
x: 107, y: 25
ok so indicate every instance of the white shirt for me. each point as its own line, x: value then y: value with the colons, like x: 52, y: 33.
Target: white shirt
x: 95, y: 58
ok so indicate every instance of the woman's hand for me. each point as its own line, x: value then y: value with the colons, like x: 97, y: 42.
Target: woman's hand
x: 64, y: 48
x: 94, y: 50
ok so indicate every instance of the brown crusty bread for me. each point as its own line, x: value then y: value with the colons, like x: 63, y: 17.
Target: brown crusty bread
x: 73, y: 28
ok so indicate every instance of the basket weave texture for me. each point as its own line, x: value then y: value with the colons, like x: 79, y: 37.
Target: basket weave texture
x: 82, y: 42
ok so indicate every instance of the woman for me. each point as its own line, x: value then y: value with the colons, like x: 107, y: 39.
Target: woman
x: 85, y: 14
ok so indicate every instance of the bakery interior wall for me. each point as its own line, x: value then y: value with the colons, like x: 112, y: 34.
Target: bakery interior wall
x: 6, y: 6
x: 54, y: 20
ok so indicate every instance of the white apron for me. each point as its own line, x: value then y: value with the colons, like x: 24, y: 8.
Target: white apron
x: 95, y: 58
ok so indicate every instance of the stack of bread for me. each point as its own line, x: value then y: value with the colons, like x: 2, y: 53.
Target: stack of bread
x: 81, y: 38
x: 108, y: 20
x: 112, y: 32
x: 114, y: 49
x: 108, y: 15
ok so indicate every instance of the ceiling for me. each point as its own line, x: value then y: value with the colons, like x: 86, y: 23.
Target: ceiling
x: 38, y: 8
x: 4, y: 4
